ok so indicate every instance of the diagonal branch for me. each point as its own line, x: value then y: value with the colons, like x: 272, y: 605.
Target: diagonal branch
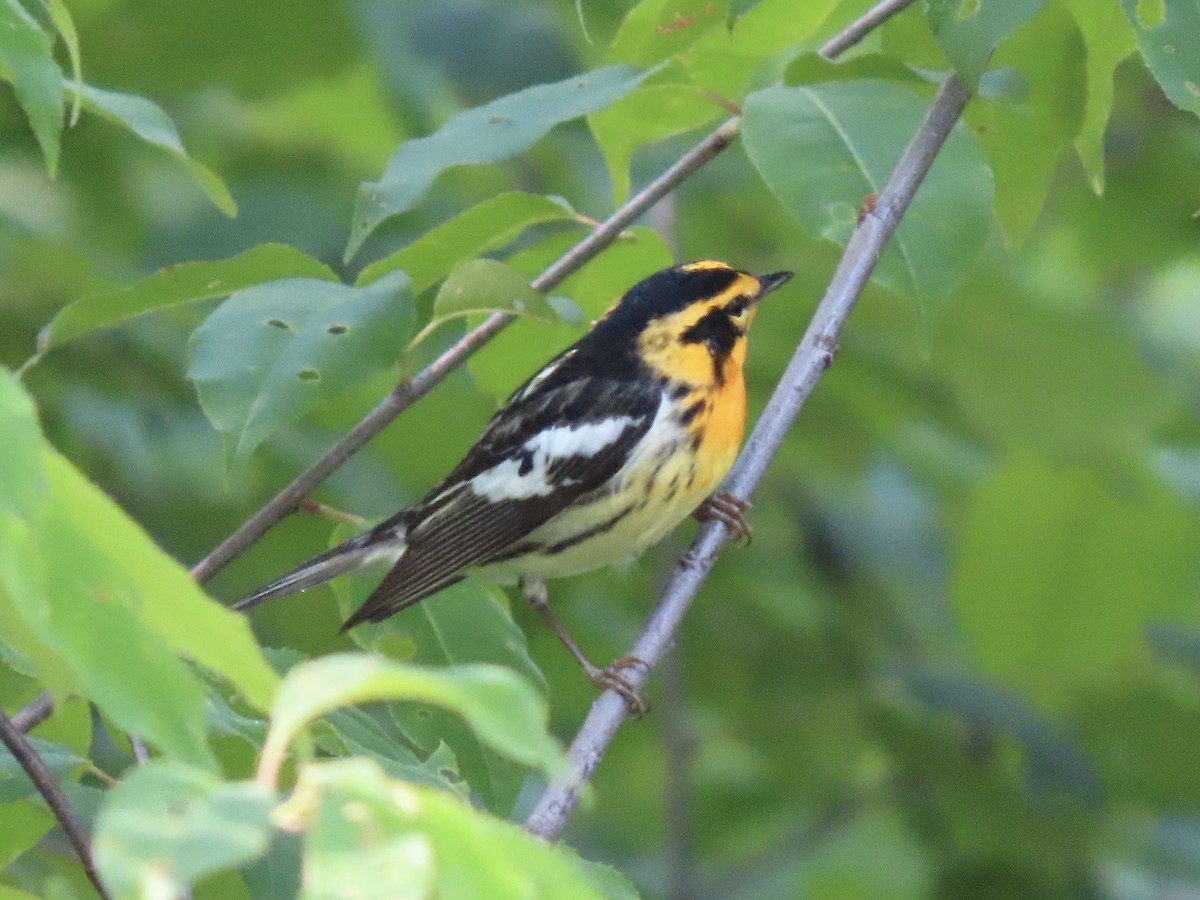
x: 812, y: 357
x: 406, y: 393
x: 43, y: 779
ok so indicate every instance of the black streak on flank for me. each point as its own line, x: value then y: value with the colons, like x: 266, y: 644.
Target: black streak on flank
x: 587, y: 533
x: 692, y: 411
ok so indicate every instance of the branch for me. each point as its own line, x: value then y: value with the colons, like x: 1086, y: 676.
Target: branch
x: 812, y: 357
x: 43, y: 779
x: 861, y: 27
x: 406, y: 393
x: 33, y: 713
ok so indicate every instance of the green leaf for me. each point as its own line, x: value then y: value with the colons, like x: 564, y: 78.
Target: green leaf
x: 1168, y: 34
x: 1024, y: 136
x: 270, y: 353
x: 512, y: 356
x: 25, y: 823
x: 64, y: 24
x: 849, y: 136
x: 368, y: 836
x: 1109, y: 40
x: 27, y: 60
x: 86, y: 579
x: 491, y: 224
x: 184, y: 283
x: 466, y: 623
x: 485, y: 286
x: 22, y: 481
x: 1058, y: 574
x: 502, y: 708
x: 496, y: 131
x: 148, y: 121
x: 65, y: 764
x: 651, y: 113
x: 657, y: 29
x: 968, y: 31
x: 812, y: 68
x: 166, y: 826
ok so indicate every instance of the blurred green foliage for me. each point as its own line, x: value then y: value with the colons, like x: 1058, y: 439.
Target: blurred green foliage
x: 961, y: 657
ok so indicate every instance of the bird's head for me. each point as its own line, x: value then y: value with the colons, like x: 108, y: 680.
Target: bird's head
x: 689, y: 322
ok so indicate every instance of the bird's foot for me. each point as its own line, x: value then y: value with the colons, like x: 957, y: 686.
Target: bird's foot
x: 730, y: 511
x: 611, y: 679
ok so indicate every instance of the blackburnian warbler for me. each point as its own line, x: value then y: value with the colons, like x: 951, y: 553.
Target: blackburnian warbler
x: 596, y: 457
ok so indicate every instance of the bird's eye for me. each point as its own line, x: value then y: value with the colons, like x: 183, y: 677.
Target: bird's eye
x: 737, y: 307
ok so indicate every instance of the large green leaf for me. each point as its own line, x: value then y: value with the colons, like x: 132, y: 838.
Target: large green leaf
x: 22, y: 482
x: 166, y: 826
x: 464, y: 624
x: 184, y: 283
x: 651, y: 113
x: 25, y: 823
x: 27, y: 60
x: 657, y: 29
x: 969, y: 31
x: 1168, y: 34
x: 487, y: 226
x: 824, y: 149
x: 1058, y: 574
x: 502, y: 708
x: 148, y: 121
x: 1109, y: 40
x: 496, y: 131
x: 271, y: 353
x: 369, y: 836
x: 1025, y: 125
x: 485, y: 286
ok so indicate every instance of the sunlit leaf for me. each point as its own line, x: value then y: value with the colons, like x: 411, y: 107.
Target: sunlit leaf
x: 166, y: 826
x: 271, y: 353
x: 1109, y: 40
x: 486, y: 226
x: 184, y: 283
x: 496, y: 131
x: 366, y: 835
x: 484, y: 286
x: 969, y: 31
x: 656, y: 29
x: 651, y: 113
x: 501, y: 707
x: 28, y: 62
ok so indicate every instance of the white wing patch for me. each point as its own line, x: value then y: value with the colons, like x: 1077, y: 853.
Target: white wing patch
x: 545, y: 373
x: 506, y: 481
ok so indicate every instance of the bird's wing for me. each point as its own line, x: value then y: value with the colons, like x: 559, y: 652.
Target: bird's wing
x: 558, y: 438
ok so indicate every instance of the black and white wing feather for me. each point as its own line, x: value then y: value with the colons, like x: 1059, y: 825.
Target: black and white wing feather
x: 561, y: 436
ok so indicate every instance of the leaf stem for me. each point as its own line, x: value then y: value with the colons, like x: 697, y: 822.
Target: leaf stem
x: 813, y: 355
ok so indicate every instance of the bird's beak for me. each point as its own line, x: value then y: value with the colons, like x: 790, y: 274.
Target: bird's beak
x: 769, y: 283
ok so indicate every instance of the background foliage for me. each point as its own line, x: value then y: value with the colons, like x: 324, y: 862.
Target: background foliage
x: 962, y: 655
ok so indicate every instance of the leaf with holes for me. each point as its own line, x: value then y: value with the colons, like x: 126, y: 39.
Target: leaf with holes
x: 490, y: 133
x: 184, y: 283
x: 849, y: 136
x: 1168, y: 34
x: 271, y: 353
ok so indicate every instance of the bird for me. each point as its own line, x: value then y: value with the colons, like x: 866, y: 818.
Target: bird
x: 596, y: 457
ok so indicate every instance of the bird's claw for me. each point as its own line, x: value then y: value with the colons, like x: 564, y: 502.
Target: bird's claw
x: 730, y: 511
x: 611, y: 679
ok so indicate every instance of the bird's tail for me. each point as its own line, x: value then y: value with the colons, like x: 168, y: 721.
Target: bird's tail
x: 361, y: 550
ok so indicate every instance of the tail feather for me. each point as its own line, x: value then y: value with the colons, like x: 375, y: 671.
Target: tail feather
x: 355, y: 553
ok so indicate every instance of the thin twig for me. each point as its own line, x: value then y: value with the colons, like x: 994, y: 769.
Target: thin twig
x: 812, y: 357
x: 861, y: 27
x: 407, y: 393
x: 43, y: 779
x: 33, y: 713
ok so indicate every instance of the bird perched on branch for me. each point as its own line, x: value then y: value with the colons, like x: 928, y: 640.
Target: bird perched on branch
x: 595, y: 458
